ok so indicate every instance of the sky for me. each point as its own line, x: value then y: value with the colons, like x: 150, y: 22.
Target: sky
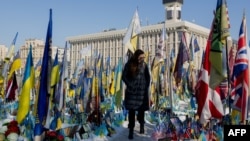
x: 79, y: 17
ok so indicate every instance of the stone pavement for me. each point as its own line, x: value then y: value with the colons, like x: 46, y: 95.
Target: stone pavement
x: 122, y: 133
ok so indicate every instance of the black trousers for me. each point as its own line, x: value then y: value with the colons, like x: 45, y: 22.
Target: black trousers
x: 131, y: 118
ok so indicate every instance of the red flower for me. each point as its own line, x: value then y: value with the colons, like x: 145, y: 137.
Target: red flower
x: 12, y: 128
x: 12, y: 123
x: 51, y: 134
x: 60, y: 138
x: 54, y: 136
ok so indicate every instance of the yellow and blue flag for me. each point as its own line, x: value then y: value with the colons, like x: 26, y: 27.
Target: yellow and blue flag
x: 118, y: 84
x: 15, y: 65
x: 53, y: 83
x: 118, y: 76
x: 113, y: 83
x: 54, y: 74
x: 9, y: 56
x: 28, y: 84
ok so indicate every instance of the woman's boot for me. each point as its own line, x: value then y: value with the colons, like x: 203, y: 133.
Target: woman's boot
x: 141, y: 128
x: 131, y: 134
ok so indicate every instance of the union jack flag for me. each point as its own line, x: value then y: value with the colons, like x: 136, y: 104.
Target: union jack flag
x: 188, y: 133
x: 240, y: 77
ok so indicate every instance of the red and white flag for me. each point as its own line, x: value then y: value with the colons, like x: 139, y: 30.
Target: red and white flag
x: 208, y: 100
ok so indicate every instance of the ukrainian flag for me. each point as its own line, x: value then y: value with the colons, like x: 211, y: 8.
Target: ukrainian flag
x: 54, y: 74
x: 15, y: 65
x: 118, y: 76
x: 113, y: 83
x: 28, y: 84
x: 53, y: 82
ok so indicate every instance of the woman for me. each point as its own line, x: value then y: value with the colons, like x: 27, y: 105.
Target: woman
x: 136, y: 76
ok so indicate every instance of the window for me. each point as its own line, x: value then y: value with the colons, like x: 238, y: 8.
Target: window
x: 179, y: 14
x: 169, y: 14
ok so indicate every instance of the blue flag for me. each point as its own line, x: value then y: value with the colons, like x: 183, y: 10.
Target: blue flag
x: 192, y: 102
x: 42, y: 103
x: 196, y: 45
x: 61, y: 90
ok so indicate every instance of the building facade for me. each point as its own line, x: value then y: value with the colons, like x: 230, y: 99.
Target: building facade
x: 37, y: 51
x: 3, y: 52
x: 110, y: 42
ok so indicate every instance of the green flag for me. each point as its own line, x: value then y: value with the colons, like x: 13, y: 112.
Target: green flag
x: 217, y: 55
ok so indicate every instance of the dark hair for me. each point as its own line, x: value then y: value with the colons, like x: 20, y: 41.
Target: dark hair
x: 134, y: 62
x: 136, y: 55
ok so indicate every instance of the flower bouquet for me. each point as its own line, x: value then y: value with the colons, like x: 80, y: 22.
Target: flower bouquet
x: 53, y: 136
x: 9, y: 131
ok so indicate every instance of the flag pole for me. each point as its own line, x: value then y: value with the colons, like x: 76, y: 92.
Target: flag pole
x: 228, y: 77
x: 170, y: 84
